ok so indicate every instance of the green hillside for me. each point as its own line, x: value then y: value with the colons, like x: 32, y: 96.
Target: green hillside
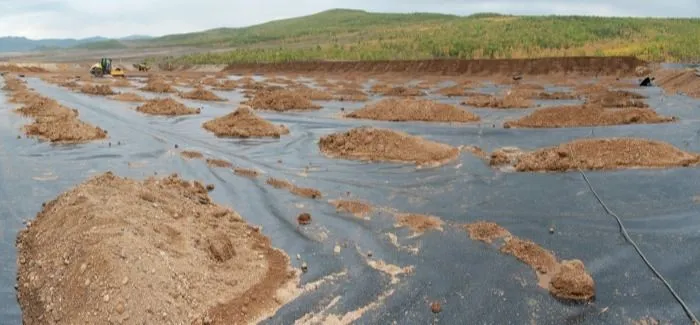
x: 358, y: 35
x: 102, y: 45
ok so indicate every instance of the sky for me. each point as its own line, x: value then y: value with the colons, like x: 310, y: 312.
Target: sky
x: 85, y: 18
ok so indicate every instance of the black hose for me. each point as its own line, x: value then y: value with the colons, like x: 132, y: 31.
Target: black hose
x: 623, y: 230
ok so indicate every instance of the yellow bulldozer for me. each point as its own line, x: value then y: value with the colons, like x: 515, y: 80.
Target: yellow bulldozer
x: 104, y: 67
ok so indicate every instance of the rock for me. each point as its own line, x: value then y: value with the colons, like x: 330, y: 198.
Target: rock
x: 304, y: 267
x: 304, y: 219
x: 336, y: 250
x: 125, y: 281
x: 435, y: 307
x: 119, y: 309
x: 572, y: 282
x: 83, y: 267
x: 105, y: 298
x: 551, y: 230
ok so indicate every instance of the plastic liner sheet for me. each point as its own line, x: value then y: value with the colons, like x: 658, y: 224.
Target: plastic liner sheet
x: 475, y: 283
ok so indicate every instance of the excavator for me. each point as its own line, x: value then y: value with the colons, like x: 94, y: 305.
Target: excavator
x: 104, y: 67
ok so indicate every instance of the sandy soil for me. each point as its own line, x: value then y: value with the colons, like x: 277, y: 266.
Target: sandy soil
x: 684, y: 81
x: 603, y: 154
x: 243, y: 123
x: 281, y: 100
x: 219, y: 163
x: 201, y: 94
x: 52, y: 121
x: 566, y: 280
x: 114, y: 250
x: 455, y: 91
x: 299, y: 191
x: 350, y: 95
x: 409, y: 109
x: 587, y: 115
x: 166, y: 107
x: 388, y: 90
x: 128, y: 97
x: 246, y: 172
x: 226, y: 85
x: 122, y: 83
x: 616, y: 99
x: 374, y: 144
x: 419, y: 223
x: 20, y: 69
x: 357, y: 208
x: 189, y: 154
x: 100, y: 90
x: 158, y: 85
x: 510, y: 100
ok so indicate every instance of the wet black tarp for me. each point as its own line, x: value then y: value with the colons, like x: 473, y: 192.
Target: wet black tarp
x: 475, y: 283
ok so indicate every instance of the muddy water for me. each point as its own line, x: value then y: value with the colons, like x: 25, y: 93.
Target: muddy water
x: 474, y: 283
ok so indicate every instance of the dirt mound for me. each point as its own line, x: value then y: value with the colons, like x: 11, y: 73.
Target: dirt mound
x: 605, y: 154
x: 557, y: 95
x: 299, y: 191
x: 128, y: 97
x: 281, y: 100
x: 166, y: 107
x: 122, y: 83
x: 616, y: 99
x: 419, y: 223
x: 409, y: 109
x: 396, y: 91
x: 189, y: 154
x: 350, y: 95
x: 219, y: 163
x: 567, y: 280
x: 157, y: 85
x: 587, y: 115
x: 243, y: 123
x: 226, y: 85
x: 20, y: 68
x: 373, y: 144
x: 100, y: 90
x: 201, y: 94
x: 582, y: 66
x: 311, y: 93
x: 455, y: 91
x: 357, y: 208
x: 684, y: 81
x: 246, y: 172
x: 510, y: 100
x: 77, y: 264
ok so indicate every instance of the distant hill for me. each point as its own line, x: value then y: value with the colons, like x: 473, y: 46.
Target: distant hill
x: 23, y: 44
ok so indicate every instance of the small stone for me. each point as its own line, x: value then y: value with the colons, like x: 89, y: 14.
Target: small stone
x: 22, y: 260
x: 87, y: 282
x: 176, y: 146
x: 435, y: 307
x: 125, y: 281
x: 551, y: 230
x: 119, y: 309
x: 304, y: 267
x: 19, y: 137
x: 110, y: 144
x: 153, y: 271
x: 304, y: 219
x: 298, y: 257
x: 66, y: 262
x: 119, y: 143
x: 336, y: 250
x: 83, y: 267
x: 210, y: 187
x: 105, y: 298
x: 369, y: 254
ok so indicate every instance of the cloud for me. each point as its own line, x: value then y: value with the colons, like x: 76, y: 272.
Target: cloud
x: 84, y: 18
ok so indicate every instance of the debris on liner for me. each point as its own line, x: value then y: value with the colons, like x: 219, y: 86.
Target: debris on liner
x: 410, y: 109
x: 166, y: 107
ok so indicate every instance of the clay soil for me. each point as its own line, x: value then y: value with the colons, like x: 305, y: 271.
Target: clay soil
x: 166, y: 107
x: 419, y: 223
x: 605, y: 154
x: 683, y: 81
x: 52, y: 121
x: 566, y: 280
x: 374, y: 144
x: 409, y: 109
x: 114, y: 250
x: 357, y: 208
x: 587, y: 115
x: 510, y: 100
x: 243, y: 123
x: 201, y: 94
x: 100, y: 90
x: 281, y: 100
x: 128, y: 97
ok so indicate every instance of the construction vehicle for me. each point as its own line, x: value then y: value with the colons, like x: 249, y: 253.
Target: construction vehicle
x: 104, y: 67
x: 142, y: 66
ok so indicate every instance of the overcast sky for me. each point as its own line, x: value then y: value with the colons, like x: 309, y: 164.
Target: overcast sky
x: 117, y: 18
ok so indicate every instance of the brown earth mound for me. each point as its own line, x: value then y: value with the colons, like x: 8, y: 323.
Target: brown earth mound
x: 583, y: 66
x: 157, y: 85
x: 188, y: 154
x: 122, y: 83
x: 616, y: 99
x: 567, y: 280
x: 226, y: 85
x: 281, y: 100
x: 455, y: 91
x: 243, y: 123
x: 128, y: 97
x: 101, y: 90
x: 357, y: 208
x: 587, y: 115
x: 91, y: 253
x: 299, y: 191
x: 246, y: 172
x: 408, y: 109
x: 510, y: 100
x: 606, y: 154
x: 166, y: 107
x: 419, y: 223
x: 350, y: 95
x: 201, y: 94
x: 311, y: 93
x: 219, y: 163
x: 373, y: 144
x: 20, y: 69
x: 684, y: 81
x: 557, y: 95
x: 398, y: 91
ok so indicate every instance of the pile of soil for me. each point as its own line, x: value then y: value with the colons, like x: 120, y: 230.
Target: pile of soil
x: 100, y: 90
x: 350, y: 95
x: 122, y: 83
x: 128, y: 97
x: 246, y: 172
x: 20, y: 69
x: 587, y: 115
x: 616, y: 99
x: 455, y: 91
x: 684, y: 81
x: 219, y: 163
x: 299, y: 191
x: 510, y: 100
x: 226, y: 85
x: 281, y: 100
x: 419, y: 223
x: 210, y: 81
x: 387, y: 90
x: 357, y: 208
x: 189, y: 154
x: 166, y: 107
x: 243, y: 123
x: 157, y: 85
x: 557, y: 95
x: 567, y: 280
x: 605, y: 154
x: 311, y: 93
x: 52, y: 121
x: 91, y: 253
x: 201, y: 94
x: 409, y: 109
x: 374, y: 144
